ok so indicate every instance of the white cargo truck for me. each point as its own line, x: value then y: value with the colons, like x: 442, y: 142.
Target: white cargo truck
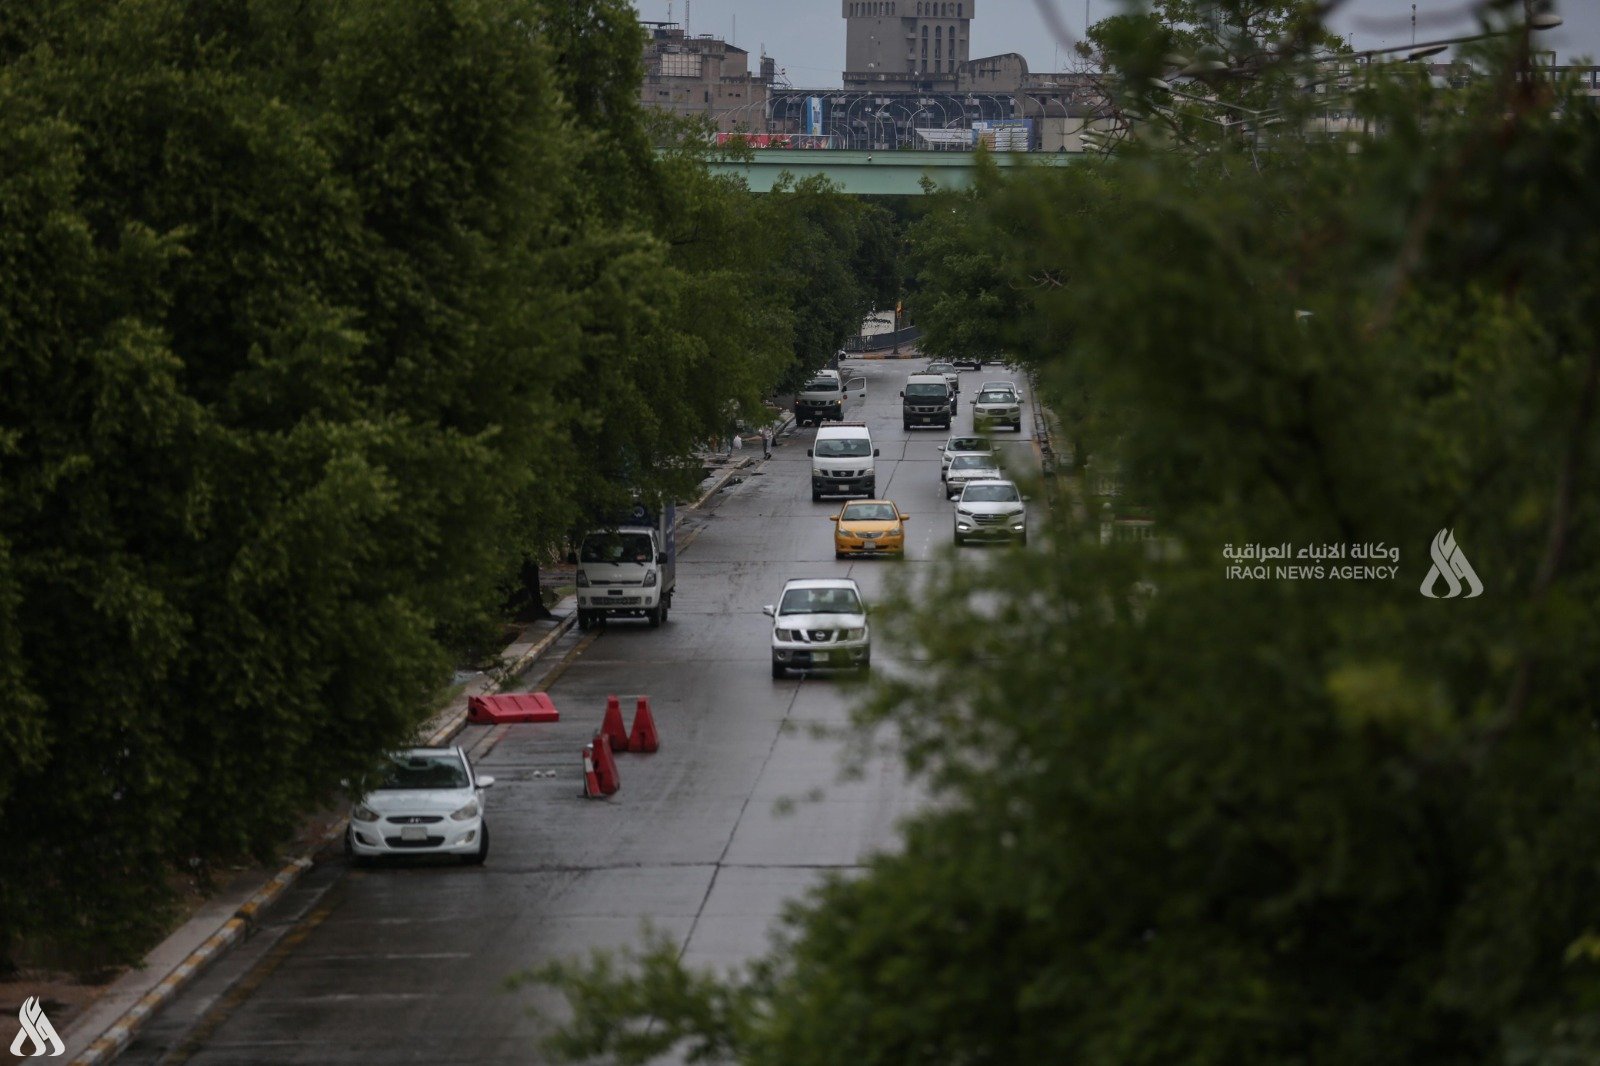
x: 629, y: 569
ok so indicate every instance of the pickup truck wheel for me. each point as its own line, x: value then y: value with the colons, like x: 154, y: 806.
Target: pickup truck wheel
x: 816, y: 497
x: 654, y: 617
x: 905, y: 425
x: 779, y: 671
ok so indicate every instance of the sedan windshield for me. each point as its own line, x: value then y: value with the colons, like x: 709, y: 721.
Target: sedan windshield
x: 820, y: 601
x: 990, y: 494
x: 869, y: 512
x: 968, y: 444
x: 415, y: 771
x: 941, y: 368
x: 843, y: 449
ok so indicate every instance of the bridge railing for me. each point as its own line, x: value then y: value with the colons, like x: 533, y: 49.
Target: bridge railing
x: 877, y: 342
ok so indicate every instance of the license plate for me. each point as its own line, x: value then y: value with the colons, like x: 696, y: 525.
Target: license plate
x: 819, y: 656
x: 413, y: 832
x: 870, y: 545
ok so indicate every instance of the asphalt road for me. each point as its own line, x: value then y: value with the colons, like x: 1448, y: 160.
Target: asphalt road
x: 407, y: 963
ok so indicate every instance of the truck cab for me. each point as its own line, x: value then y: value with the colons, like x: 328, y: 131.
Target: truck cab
x: 842, y: 461
x: 825, y: 397
x: 629, y: 569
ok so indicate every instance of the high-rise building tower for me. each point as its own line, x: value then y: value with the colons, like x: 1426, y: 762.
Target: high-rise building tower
x: 908, y: 43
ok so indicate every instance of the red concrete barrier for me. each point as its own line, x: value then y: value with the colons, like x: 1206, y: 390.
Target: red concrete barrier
x: 511, y: 707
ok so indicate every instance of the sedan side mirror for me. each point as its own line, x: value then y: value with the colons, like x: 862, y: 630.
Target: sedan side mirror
x: 905, y: 518
x: 767, y: 610
x: 833, y: 518
x: 485, y: 782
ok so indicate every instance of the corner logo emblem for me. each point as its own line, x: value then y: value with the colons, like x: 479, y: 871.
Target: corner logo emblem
x: 1450, y: 564
x: 37, y: 1031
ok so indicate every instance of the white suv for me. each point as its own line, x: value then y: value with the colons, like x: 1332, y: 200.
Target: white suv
x: 819, y: 624
x: 991, y: 510
x: 997, y: 406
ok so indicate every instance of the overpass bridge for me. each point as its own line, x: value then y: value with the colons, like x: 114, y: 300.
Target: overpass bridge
x: 891, y: 172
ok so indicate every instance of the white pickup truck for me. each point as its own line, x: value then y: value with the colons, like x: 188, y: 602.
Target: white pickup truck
x: 825, y: 397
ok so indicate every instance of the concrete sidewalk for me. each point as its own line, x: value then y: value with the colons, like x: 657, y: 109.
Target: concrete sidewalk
x: 104, y: 1027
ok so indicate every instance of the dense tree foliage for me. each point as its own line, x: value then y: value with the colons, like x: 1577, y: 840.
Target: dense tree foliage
x: 316, y: 323
x: 1188, y: 816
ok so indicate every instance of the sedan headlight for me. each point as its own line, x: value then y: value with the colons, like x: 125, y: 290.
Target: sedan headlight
x: 852, y: 634
x: 469, y: 811
x: 650, y: 579
x: 362, y: 813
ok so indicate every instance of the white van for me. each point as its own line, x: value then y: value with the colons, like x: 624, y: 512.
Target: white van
x: 842, y: 461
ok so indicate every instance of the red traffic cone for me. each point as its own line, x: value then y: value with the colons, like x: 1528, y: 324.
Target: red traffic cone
x: 611, y: 726
x: 605, y: 766
x: 591, y: 782
x: 644, y: 737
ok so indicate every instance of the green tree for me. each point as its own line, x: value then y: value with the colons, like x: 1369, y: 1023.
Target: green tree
x: 1183, y: 816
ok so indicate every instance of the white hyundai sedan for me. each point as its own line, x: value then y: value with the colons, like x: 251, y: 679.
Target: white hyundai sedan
x: 428, y: 803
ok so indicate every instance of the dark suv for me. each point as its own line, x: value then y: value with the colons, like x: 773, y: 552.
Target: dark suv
x: 927, y: 401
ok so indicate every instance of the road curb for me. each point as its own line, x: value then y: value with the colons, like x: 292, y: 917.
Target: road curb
x: 111, y: 1043
x: 113, y: 1040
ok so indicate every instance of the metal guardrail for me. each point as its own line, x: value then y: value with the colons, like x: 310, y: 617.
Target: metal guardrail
x: 879, y: 341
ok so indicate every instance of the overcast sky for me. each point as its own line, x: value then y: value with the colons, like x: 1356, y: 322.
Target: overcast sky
x: 806, y: 37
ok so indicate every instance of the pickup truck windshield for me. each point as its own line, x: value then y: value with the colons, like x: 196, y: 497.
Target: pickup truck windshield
x: 929, y: 391
x: 615, y: 548
x: 843, y: 449
x: 820, y: 601
x: 822, y: 385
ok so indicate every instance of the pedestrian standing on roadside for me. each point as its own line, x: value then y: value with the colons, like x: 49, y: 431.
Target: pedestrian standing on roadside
x: 766, y: 442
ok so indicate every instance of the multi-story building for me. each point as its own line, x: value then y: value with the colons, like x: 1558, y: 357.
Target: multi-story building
x: 704, y: 76
x: 905, y: 44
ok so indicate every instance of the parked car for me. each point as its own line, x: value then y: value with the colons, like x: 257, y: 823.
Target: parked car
x: 973, y: 467
x: 819, y: 624
x: 869, y: 527
x: 962, y: 446
x: 429, y: 802
x: 991, y: 510
x: 997, y: 406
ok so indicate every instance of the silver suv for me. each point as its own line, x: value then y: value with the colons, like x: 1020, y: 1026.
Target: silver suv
x: 819, y: 624
x: 997, y: 406
x: 991, y: 510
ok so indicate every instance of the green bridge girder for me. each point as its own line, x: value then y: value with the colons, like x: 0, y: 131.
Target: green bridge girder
x: 879, y: 173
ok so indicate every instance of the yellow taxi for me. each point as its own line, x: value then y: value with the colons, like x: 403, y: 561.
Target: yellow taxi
x: 869, y: 527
